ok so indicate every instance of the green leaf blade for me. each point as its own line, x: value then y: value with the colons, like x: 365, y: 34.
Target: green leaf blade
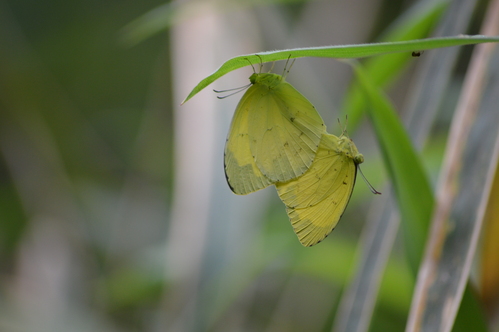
x: 411, y: 184
x: 340, y: 52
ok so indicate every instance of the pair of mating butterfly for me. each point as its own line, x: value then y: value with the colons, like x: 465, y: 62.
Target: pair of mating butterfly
x: 278, y: 137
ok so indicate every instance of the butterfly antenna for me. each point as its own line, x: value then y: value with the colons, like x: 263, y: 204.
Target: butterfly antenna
x: 261, y: 63
x: 236, y: 90
x: 374, y: 191
x: 251, y: 64
x: 339, y: 124
x: 343, y: 129
x: 270, y: 70
x: 286, y: 68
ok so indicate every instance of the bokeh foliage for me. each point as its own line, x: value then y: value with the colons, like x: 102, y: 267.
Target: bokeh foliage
x: 93, y: 195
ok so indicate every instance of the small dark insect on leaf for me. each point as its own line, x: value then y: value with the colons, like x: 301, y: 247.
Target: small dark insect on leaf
x: 417, y: 54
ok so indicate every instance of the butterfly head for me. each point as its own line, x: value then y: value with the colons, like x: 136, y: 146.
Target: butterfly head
x: 268, y: 79
x: 348, y: 148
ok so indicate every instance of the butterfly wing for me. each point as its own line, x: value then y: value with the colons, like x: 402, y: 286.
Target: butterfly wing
x: 284, y: 130
x: 243, y: 176
x: 316, y: 201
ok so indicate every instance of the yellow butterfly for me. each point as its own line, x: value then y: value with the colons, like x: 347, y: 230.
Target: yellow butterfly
x: 274, y: 135
x: 316, y: 200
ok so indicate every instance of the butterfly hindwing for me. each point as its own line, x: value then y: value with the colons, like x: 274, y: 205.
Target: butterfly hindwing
x: 316, y: 200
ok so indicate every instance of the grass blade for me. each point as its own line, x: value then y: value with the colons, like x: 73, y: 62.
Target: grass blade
x: 465, y: 184
x: 411, y: 185
x: 358, y: 302
x: 339, y: 52
x: 489, y: 269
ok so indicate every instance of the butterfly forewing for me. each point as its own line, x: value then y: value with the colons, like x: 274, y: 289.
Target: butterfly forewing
x: 284, y: 138
x: 241, y: 171
x: 316, y: 200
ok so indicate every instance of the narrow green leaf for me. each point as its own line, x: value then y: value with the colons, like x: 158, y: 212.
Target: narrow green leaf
x: 464, y: 187
x: 410, y: 182
x: 425, y: 100
x: 470, y: 316
x: 489, y: 269
x: 340, y: 51
x: 361, y: 295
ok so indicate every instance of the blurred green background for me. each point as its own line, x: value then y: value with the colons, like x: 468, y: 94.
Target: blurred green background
x: 114, y: 210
